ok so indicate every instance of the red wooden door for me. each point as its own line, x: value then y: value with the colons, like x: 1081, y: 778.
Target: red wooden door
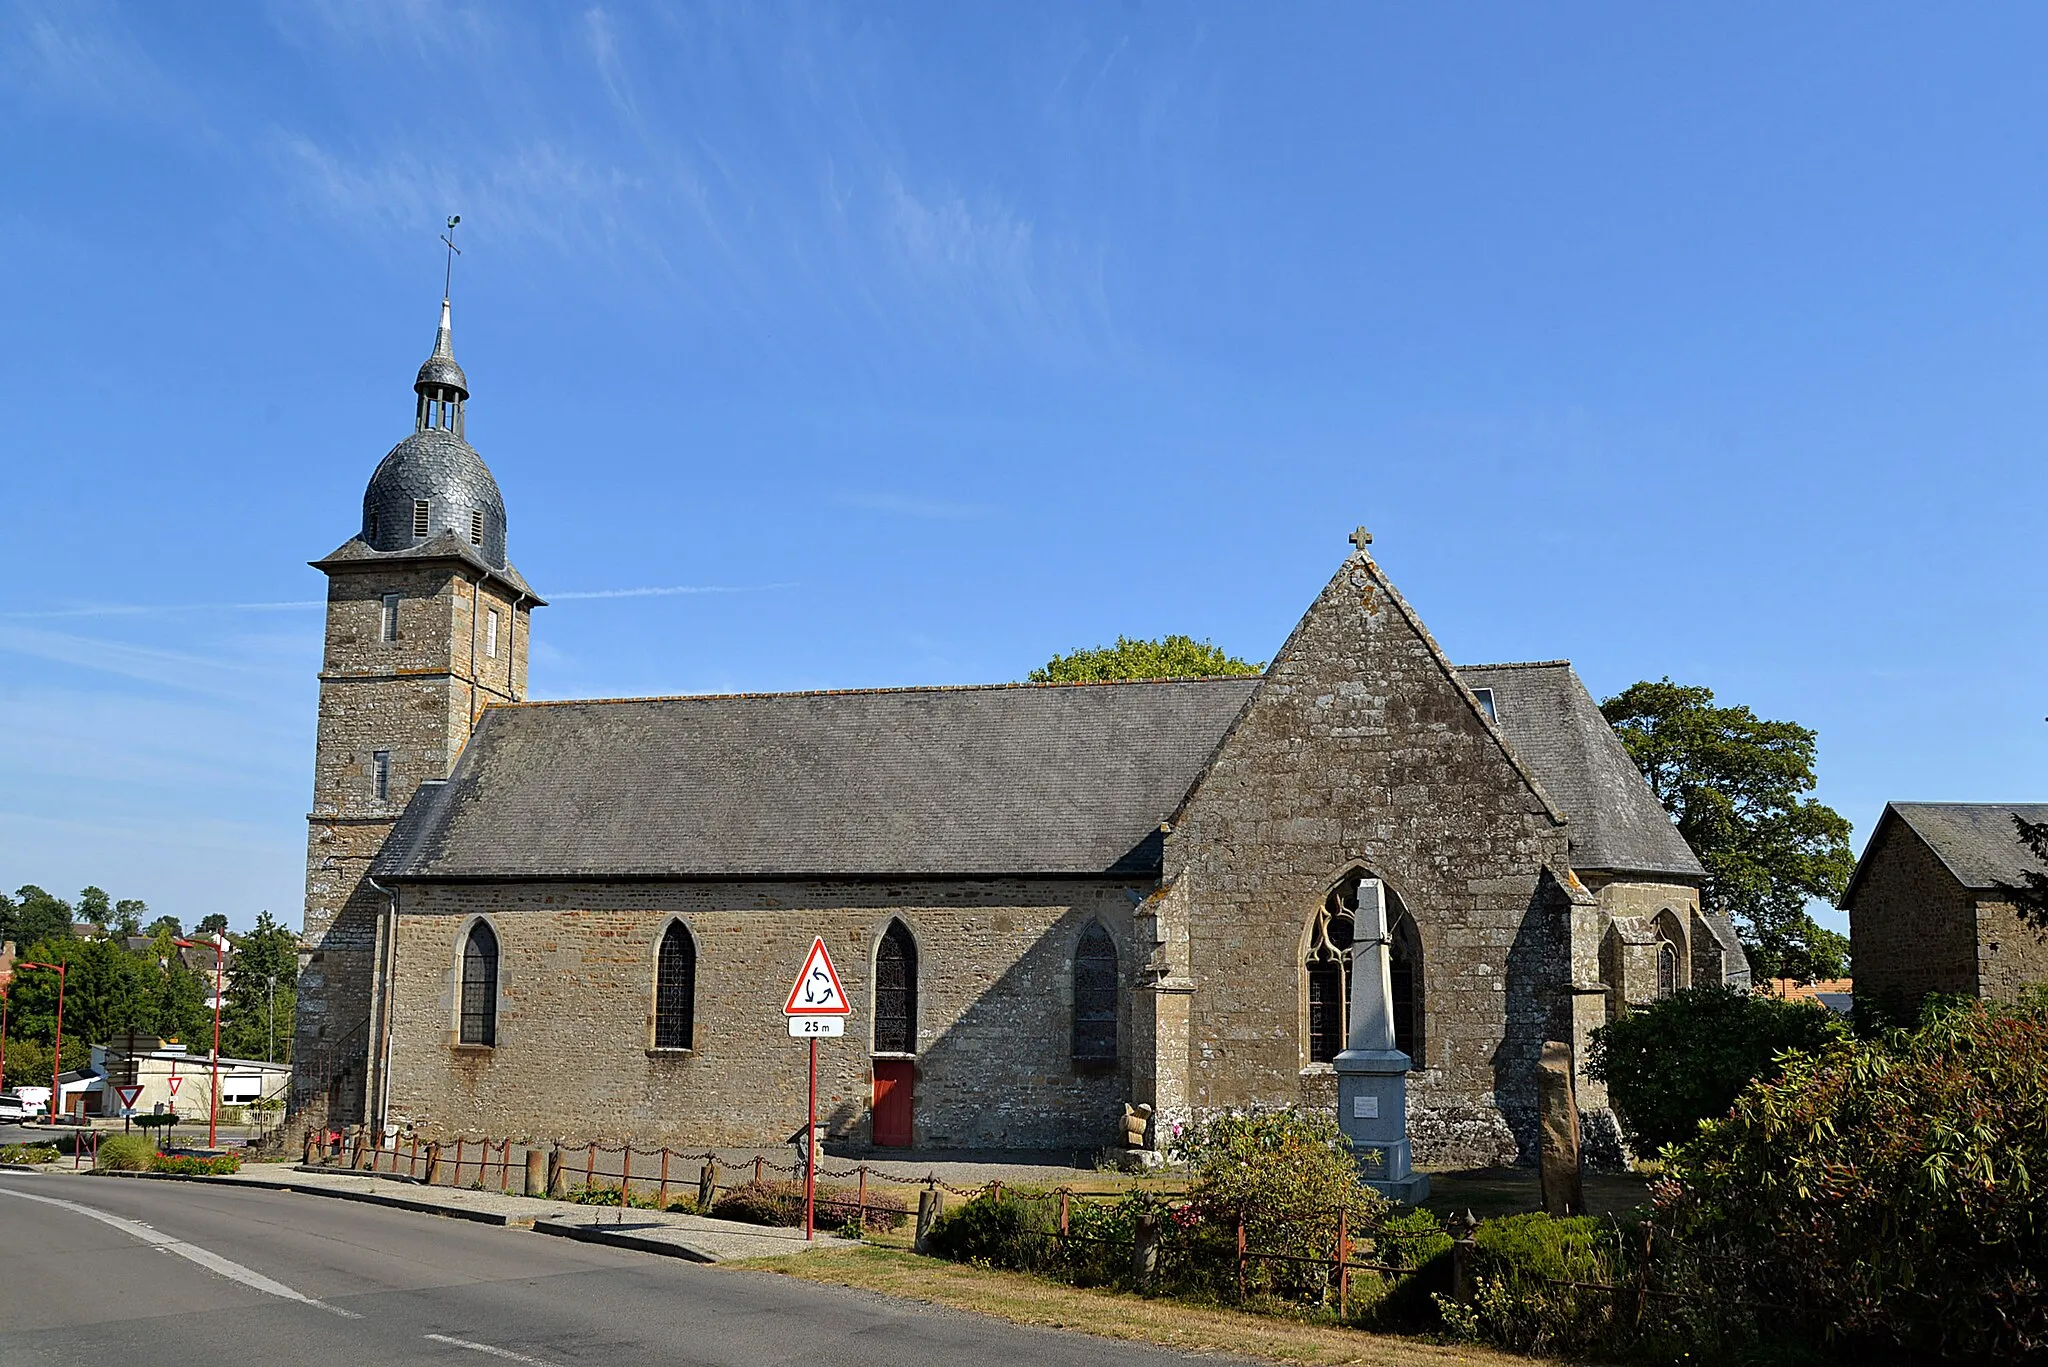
x: 892, y: 1102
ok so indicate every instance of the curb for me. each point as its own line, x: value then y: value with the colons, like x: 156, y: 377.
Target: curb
x: 597, y: 1234
x: 373, y: 1198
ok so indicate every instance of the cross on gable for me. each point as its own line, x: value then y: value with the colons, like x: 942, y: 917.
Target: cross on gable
x: 1361, y: 538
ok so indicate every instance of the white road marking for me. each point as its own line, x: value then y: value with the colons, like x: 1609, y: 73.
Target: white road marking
x: 505, y: 1353
x: 206, y: 1258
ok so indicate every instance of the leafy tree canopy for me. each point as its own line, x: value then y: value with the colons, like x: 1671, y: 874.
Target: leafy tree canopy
x: 1172, y: 657
x: 212, y: 923
x: 2030, y: 895
x: 34, y: 915
x: 256, y: 1020
x: 1676, y: 1062
x: 1736, y: 786
x: 165, y: 925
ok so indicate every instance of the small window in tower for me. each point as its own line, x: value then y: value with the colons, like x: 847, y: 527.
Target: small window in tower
x: 380, y: 775
x: 390, y: 631
x: 491, y: 635
x: 476, y: 527
x: 419, y: 517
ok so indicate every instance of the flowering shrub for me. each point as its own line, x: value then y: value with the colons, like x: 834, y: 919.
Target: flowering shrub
x: 1889, y: 1197
x: 28, y: 1153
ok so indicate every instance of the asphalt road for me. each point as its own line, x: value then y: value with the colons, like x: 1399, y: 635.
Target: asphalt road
x: 97, y: 1270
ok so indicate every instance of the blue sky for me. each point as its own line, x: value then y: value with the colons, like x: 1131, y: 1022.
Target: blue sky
x: 915, y: 344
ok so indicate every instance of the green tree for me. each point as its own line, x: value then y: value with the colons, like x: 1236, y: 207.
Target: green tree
x: 1684, y: 1059
x: 1173, y: 657
x: 213, y: 923
x: 165, y: 925
x: 2030, y: 895
x: 94, y: 906
x: 256, y: 1020
x: 128, y: 914
x: 36, y: 915
x: 107, y: 991
x: 1736, y: 785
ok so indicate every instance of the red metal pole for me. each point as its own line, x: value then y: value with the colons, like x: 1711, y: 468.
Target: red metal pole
x: 3, y: 1035
x: 57, y: 1054
x: 213, y: 1107
x: 811, y: 1147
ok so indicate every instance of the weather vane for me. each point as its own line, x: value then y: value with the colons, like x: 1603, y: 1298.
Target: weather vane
x: 448, y: 277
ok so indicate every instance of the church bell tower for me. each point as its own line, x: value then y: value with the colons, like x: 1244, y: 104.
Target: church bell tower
x: 427, y: 625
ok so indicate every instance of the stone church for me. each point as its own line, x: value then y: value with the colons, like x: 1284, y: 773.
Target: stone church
x: 580, y: 920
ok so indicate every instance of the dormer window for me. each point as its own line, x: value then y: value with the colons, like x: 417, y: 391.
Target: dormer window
x: 476, y: 527
x: 419, y: 517
x: 1485, y: 696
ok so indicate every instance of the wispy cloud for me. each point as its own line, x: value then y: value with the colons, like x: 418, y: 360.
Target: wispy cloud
x: 935, y: 509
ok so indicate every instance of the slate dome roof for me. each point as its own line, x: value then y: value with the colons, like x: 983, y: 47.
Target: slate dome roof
x: 436, y: 465
x: 441, y: 372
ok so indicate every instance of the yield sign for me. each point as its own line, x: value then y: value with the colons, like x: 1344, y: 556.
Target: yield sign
x: 175, y: 1080
x: 817, y: 991
x: 129, y: 1096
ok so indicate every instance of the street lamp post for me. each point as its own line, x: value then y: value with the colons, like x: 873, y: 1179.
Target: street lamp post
x: 3, y: 1036
x: 57, y: 1052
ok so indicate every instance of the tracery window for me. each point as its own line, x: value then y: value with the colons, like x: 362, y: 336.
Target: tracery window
x: 480, y: 986
x: 1095, y: 994
x: 675, y: 990
x: 896, y: 991
x: 1327, y: 967
x: 1667, y: 968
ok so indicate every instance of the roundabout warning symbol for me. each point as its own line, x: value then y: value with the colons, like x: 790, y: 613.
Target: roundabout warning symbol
x: 817, y: 991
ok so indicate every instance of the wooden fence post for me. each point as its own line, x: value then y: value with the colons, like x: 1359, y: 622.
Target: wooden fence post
x: 433, y: 1161
x: 412, y: 1162
x: 757, y: 1167
x: 557, y: 1183
x: 1343, y: 1263
x: 626, y: 1175
x: 456, y: 1180
x: 707, y: 1186
x: 1063, y: 1216
x: 661, y: 1192
x: 1240, y: 1257
x: 536, y: 1183
x: 505, y: 1167
x: 860, y: 1213
x: 927, y: 1216
x: 590, y: 1166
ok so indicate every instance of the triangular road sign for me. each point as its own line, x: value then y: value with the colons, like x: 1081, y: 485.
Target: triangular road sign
x: 175, y: 1080
x: 129, y: 1096
x: 817, y: 991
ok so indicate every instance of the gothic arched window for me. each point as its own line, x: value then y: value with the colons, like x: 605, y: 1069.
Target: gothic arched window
x: 480, y: 986
x: 1327, y: 966
x: 896, y: 991
x: 1667, y: 968
x: 1329, y: 977
x: 1095, y: 992
x: 675, y: 990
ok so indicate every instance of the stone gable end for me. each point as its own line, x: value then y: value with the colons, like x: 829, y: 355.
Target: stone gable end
x: 1361, y: 748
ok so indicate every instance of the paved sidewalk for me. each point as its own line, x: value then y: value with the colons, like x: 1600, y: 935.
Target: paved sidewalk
x: 677, y: 1236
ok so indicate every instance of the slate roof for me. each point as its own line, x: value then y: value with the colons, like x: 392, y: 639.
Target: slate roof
x: 1061, y: 779
x: 354, y: 553
x: 1975, y: 841
x: 1025, y: 779
x: 1552, y: 723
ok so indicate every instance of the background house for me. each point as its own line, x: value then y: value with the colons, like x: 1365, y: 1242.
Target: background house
x: 1927, y: 912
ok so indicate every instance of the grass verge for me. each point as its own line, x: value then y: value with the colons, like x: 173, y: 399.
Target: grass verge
x: 1020, y: 1299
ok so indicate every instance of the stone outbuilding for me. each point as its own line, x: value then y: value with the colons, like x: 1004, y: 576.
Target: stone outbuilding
x: 1927, y: 912
x: 580, y: 919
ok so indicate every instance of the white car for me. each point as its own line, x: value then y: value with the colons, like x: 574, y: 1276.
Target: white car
x: 13, y: 1107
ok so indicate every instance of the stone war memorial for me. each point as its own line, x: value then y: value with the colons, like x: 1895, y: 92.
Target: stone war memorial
x: 1366, y: 880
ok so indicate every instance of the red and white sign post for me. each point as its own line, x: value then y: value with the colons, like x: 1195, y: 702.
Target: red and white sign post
x: 817, y: 1009
x: 128, y: 1095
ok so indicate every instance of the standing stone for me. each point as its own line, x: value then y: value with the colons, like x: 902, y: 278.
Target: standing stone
x: 1558, y: 1117
x: 1372, y: 1075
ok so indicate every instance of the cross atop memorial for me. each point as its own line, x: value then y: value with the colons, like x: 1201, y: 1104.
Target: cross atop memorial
x: 1361, y: 538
